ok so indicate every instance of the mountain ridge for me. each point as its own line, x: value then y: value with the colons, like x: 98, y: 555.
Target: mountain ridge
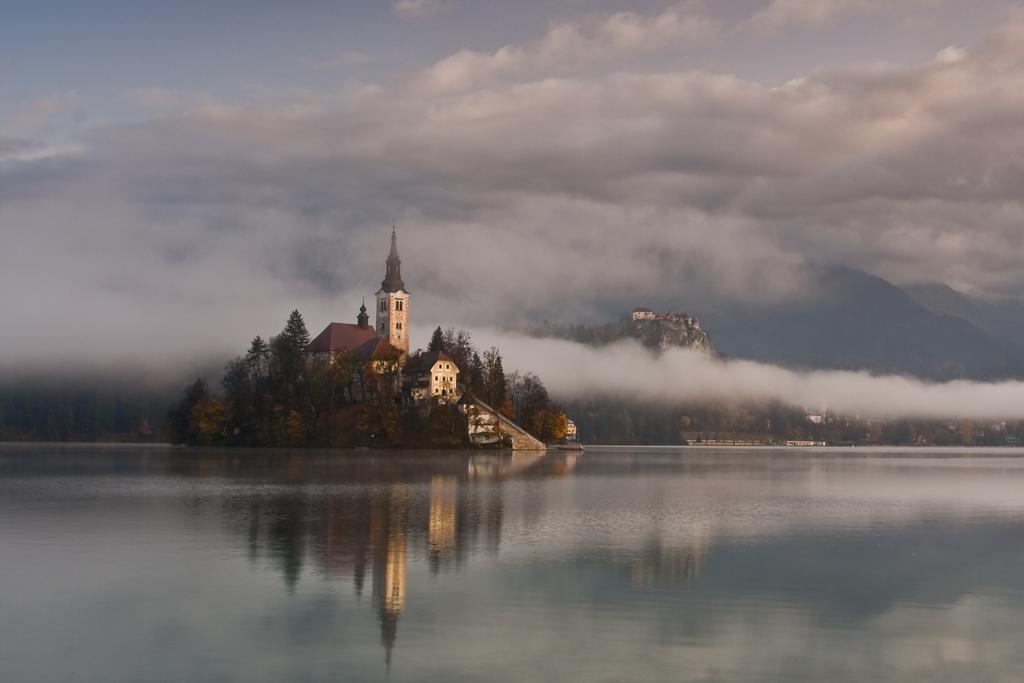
x: 858, y: 321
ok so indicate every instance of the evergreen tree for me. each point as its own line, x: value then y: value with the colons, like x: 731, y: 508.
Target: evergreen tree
x: 295, y: 331
x: 476, y: 374
x: 494, y: 378
x: 257, y: 357
x: 436, y: 340
x: 239, y: 397
x: 289, y: 348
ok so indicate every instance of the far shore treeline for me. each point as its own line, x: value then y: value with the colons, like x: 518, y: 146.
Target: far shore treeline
x: 277, y: 394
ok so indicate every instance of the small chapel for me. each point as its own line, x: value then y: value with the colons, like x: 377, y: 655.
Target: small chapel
x: 387, y: 341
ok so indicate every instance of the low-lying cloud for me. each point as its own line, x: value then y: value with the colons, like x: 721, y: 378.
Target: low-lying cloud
x: 628, y: 371
x: 561, y: 184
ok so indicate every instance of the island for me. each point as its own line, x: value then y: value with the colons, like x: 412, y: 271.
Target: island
x: 357, y: 385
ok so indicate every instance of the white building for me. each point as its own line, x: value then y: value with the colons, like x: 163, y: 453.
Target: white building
x: 432, y: 375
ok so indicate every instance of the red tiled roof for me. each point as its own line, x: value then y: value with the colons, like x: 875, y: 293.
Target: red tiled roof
x: 341, y: 337
x: 377, y: 348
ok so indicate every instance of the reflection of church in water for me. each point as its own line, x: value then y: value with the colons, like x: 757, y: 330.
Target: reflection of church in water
x: 380, y: 532
x: 373, y: 527
x: 375, y: 522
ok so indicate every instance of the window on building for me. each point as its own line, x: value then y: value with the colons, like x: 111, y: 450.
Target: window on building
x: 398, y: 326
x: 398, y: 304
x: 382, y: 327
x: 383, y: 306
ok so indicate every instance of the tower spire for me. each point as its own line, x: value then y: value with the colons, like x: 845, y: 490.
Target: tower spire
x: 393, y: 278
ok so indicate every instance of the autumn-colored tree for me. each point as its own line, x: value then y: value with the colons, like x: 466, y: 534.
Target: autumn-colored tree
x: 209, y: 421
x: 549, y: 424
x: 294, y: 429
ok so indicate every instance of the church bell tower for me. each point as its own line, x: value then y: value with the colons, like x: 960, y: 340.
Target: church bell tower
x: 393, y: 302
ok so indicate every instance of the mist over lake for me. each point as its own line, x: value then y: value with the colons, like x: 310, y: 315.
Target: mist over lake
x: 149, y: 563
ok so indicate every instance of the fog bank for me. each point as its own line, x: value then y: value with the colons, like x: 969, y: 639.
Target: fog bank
x: 627, y: 370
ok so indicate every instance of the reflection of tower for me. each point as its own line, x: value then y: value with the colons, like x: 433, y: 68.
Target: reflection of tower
x: 394, y: 573
x: 441, y: 528
x: 390, y: 563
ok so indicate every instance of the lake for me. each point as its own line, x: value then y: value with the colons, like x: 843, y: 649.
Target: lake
x: 128, y: 563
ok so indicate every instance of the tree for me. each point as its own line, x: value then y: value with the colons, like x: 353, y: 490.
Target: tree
x: 436, y: 340
x: 257, y: 357
x: 494, y: 378
x: 239, y: 396
x: 180, y: 428
x: 209, y: 422
x: 294, y: 428
x: 549, y: 424
x: 475, y: 374
x: 529, y: 396
x: 289, y: 348
x: 295, y: 332
x: 459, y: 346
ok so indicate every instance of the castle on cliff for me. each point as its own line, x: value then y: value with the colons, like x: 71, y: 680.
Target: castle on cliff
x: 662, y: 331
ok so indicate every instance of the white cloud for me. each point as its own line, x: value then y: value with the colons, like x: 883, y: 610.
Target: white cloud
x: 951, y: 55
x: 575, y: 371
x: 568, y: 46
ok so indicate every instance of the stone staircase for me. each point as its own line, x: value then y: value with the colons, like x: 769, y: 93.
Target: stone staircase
x: 487, y: 426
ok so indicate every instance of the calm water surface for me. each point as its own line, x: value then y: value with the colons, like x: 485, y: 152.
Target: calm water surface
x: 156, y: 564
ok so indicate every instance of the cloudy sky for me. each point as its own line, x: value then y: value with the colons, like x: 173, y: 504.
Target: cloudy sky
x: 176, y: 177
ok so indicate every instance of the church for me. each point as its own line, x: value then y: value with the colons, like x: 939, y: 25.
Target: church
x: 425, y: 376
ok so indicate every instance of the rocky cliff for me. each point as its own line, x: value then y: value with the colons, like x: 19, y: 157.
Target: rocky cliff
x: 657, y: 332
x: 671, y: 331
